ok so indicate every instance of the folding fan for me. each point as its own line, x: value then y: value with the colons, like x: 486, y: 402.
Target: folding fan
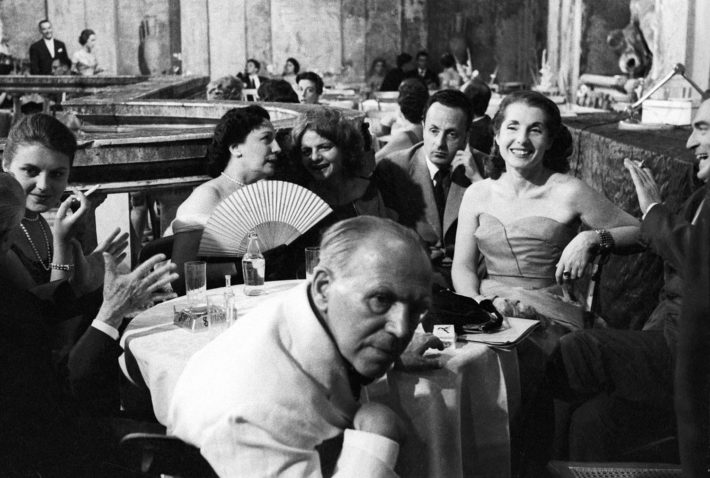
x: 279, y: 212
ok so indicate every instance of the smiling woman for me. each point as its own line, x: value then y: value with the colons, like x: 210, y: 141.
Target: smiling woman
x: 525, y: 223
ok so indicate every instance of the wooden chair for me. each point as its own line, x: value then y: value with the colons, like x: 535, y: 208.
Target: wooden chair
x: 155, y: 455
x: 385, y: 97
x: 250, y: 94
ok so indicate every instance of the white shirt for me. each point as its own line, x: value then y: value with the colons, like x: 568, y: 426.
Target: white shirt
x: 255, y: 80
x: 433, y: 169
x: 50, y: 46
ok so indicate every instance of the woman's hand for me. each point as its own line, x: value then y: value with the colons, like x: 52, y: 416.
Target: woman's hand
x: 576, y: 256
x: 89, y: 270
x: 67, y: 222
x: 510, y: 308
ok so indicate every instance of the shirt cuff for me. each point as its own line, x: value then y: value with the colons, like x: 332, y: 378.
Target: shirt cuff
x: 105, y: 328
x: 648, y: 209
x: 377, y: 446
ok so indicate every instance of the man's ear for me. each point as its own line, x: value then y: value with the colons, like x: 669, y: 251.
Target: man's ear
x: 322, y: 279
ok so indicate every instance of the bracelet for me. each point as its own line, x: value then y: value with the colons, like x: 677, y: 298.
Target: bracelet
x: 62, y: 267
x: 606, y: 240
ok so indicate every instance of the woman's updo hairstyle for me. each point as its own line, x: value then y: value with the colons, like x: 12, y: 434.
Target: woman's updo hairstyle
x: 85, y: 35
x: 12, y: 203
x: 232, y: 129
x: 40, y: 129
x: 557, y: 157
x: 333, y: 126
x: 413, y: 96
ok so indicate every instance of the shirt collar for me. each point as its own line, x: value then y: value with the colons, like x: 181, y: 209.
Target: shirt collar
x: 433, y: 168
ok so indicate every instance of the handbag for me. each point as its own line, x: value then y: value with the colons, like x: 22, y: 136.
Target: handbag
x: 448, y: 307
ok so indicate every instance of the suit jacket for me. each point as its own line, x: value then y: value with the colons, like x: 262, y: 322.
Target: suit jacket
x: 248, y: 82
x: 259, y: 398
x: 41, y: 60
x: 668, y: 235
x: 429, y: 77
x: 406, y: 187
x: 39, y: 418
x: 394, y: 77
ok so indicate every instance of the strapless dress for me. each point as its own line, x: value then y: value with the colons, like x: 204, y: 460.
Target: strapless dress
x: 521, y: 258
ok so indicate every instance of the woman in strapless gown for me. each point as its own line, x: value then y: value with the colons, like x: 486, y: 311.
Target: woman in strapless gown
x: 525, y: 224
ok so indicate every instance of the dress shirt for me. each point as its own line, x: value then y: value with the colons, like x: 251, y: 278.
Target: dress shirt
x: 50, y: 46
x: 105, y: 328
x: 255, y: 79
x: 695, y: 217
x: 259, y: 398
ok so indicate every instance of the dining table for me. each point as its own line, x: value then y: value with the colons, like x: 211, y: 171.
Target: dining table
x: 458, y: 417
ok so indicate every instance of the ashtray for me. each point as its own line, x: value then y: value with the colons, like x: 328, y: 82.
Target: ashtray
x: 197, y: 319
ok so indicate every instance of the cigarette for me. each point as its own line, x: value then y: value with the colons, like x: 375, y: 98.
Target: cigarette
x: 92, y: 189
x: 641, y: 164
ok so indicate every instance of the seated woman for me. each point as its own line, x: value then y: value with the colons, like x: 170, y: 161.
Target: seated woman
x: 376, y: 76
x: 291, y: 70
x: 48, y: 423
x: 243, y: 151
x: 413, y: 95
x: 337, y: 159
x: 525, y: 223
x: 449, y: 78
x: 39, y: 153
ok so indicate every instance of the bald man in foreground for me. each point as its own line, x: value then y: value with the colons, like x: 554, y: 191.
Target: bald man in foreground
x: 260, y: 398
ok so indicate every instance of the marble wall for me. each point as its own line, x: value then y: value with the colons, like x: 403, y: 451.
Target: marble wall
x: 216, y: 37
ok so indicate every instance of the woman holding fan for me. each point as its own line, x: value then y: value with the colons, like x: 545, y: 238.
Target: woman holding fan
x: 243, y: 151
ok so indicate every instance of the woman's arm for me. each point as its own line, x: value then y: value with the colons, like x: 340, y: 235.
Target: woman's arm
x: 598, y: 213
x: 463, y: 270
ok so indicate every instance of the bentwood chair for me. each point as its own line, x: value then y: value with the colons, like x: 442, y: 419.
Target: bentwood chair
x: 156, y: 455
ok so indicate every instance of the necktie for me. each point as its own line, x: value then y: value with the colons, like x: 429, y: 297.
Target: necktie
x: 442, y: 181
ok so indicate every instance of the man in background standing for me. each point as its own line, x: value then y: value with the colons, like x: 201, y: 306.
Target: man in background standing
x: 43, y: 51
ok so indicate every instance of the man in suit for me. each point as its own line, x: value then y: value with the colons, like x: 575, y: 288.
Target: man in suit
x: 481, y: 134
x: 43, y: 51
x: 624, y: 378
x: 405, y: 69
x: 251, y: 78
x: 259, y: 399
x: 430, y: 77
x: 425, y: 184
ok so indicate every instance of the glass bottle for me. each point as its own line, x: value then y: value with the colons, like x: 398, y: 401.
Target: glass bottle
x: 230, y: 301
x: 253, y: 267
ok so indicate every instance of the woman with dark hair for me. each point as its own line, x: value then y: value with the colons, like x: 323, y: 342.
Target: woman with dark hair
x: 39, y: 152
x: 291, y: 69
x: 84, y: 60
x: 337, y: 159
x: 526, y: 223
x: 413, y: 96
x: 278, y: 91
x: 243, y: 151
x: 377, y: 73
x: 449, y: 78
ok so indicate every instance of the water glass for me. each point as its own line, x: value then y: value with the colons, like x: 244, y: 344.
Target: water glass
x: 196, y: 284
x: 312, y: 259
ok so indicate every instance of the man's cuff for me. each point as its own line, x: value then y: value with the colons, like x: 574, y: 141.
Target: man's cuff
x: 648, y: 209
x: 105, y: 328
x: 377, y: 446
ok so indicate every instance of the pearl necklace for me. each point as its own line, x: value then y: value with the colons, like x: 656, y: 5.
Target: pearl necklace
x: 234, y: 180
x: 34, y: 248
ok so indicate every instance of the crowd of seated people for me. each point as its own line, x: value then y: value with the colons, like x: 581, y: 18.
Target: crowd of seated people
x: 491, y: 199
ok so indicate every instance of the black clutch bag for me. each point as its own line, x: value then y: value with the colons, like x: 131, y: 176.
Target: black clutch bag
x: 448, y: 307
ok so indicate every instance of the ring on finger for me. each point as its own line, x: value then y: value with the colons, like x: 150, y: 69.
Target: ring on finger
x: 566, y: 274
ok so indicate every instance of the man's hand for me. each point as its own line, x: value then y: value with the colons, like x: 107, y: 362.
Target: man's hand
x: 127, y: 293
x: 464, y: 157
x: 413, y: 359
x: 379, y: 419
x: 646, y: 187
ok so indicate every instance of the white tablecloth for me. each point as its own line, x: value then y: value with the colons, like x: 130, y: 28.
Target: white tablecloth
x: 459, y: 415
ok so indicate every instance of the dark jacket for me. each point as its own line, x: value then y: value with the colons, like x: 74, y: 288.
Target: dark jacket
x: 41, y: 60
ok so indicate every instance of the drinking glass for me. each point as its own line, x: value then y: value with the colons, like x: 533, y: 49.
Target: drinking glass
x: 312, y: 259
x: 196, y: 284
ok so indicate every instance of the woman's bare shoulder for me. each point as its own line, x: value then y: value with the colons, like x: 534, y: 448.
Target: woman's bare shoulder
x: 203, y: 200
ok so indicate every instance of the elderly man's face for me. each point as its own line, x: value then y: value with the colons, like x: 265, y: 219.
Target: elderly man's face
x: 373, y: 307
x: 699, y: 140
x: 45, y: 28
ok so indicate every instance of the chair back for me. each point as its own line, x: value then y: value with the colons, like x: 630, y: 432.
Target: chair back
x: 250, y: 94
x: 385, y: 97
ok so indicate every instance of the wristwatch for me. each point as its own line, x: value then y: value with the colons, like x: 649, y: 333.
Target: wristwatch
x: 606, y: 241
